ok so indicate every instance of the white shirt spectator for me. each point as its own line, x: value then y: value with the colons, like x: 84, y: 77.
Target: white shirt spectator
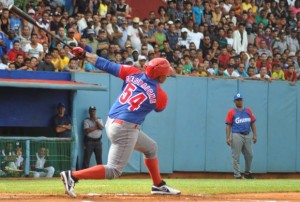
x: 7, y: 3
x: 240, y: 42
x: 33, y: 52
x: 134, y: 37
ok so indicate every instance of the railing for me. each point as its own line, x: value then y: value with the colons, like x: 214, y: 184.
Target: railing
x: 58, y: 153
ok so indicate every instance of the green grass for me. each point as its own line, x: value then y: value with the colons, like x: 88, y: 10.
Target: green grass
x: 142, y: 186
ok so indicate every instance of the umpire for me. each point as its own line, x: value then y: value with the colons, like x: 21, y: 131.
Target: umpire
x: 239, y: 122
x: 92, y: 138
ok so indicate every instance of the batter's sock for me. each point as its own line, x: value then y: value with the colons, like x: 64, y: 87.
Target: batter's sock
x: 95, y: 172
x: 152, y: 165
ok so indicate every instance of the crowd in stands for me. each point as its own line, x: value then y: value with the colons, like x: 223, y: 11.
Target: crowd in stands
x: 254, y: 39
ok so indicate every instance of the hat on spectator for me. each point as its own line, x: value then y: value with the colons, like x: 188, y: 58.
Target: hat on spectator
x: 150, y: 52
x: 101, y: 31
x: 135, y: 50
x: 142, y: 57
x: 292, y: 54
x: 71, y: 30
x: 72, y: 43
x: 248, y: 26
x: 171, y: 1
x: 90, y: 31
x: 170, y: 22
x: 177, y: 20
x: 238, y: 96
x: 163, y: 53
x: 57, y: 14
x: 145, y: 35
x: 91, y: 108
x: 184, y: 30
x: 31, y: 11
x: 294, y: 29
x: 230, y: 66
x: 61, y: 104
x: 128, y: 60
x: 136, y: 20
x: 282, y: 31
x: 47, y: 8
x: 123, y: 21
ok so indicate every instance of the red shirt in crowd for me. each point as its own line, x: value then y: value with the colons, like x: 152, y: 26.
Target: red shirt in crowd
x: 224, y: 59
x: 290, y: 76
x: 259, y: 64
x: 12, y: 54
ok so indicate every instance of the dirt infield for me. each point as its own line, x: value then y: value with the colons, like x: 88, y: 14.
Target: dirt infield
x: 257, y: 197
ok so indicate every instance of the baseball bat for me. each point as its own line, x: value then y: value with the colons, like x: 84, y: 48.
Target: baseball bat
x: 29, y: 19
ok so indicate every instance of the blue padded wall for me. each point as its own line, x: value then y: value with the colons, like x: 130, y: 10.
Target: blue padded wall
x: 190, y: 124
x: 282, y: 127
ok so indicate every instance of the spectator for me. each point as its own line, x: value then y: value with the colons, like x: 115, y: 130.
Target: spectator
x: 135, y: 34
x: 263, y: 74
x: 40, y: 169
x: 5, y: 21
x: 292, y: 40
x: 277, y: 73
x: 34, y: 49
x: 19, y: 63
x: 63, y: 59
x: 198, y: 12
x: 25, y: 37
x: 72, y: 35
x: 264, y: 49
x: 12, y: 53
x: 162, y: 14
x: 93, y: 127
x: 171, y: 10
x: 46, y: 65
x: 91, y: 40
x: 240, y: 41
x: 4, y: 62
x: 241, y: 71
x: 291, y: 75
x: 229, y: 72
x: 9, y: 40
x: 72, y: 66
x: 15, y: 23
x: 62, y: 122
x: 251, y: 72
x: 282, y: 43
x: 184, y: 40
x: 122, y: 9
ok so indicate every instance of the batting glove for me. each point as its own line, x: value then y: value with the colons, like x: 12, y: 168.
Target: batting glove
x: 78, y: 52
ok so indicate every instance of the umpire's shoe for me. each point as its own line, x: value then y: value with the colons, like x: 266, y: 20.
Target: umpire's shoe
x: 249, y: 176
x: 163, y: 188
x: 69, y: 183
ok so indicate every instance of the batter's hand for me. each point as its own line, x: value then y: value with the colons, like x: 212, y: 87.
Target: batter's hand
x: 78, y: 52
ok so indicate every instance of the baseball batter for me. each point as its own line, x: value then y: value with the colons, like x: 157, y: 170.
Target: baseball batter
x: 238, y: 124
x: 141, y: 93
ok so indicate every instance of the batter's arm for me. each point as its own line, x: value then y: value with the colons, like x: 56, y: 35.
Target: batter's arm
x: 253, y: 127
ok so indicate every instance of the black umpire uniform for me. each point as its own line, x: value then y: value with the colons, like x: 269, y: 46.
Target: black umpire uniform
x: 92, y: 138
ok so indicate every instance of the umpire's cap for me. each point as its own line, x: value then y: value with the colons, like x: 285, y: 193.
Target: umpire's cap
x: 238, y: 96
x: 92, y: 108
